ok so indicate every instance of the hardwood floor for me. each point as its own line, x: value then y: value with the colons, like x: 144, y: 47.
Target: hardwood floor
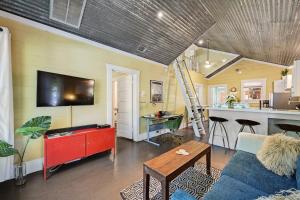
x: 98, y: 177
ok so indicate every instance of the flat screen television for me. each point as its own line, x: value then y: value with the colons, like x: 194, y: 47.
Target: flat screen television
x: 62, y: 90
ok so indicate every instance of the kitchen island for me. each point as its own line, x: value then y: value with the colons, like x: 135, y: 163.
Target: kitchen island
x: 267, y: 118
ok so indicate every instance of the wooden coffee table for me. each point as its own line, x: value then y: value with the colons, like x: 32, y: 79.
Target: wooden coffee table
x: 169, y: 165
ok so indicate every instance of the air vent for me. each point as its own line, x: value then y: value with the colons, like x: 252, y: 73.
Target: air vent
x: 68, y: 12
x: 142, y: 49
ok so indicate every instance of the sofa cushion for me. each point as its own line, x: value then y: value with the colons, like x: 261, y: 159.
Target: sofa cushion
x: 298, y: 173
x: 182, y: 195
x: 279, y: 154
x: 246, y: 168
x: 227, y: 188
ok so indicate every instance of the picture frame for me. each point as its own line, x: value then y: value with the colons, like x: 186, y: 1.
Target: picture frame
x: 156, y: 91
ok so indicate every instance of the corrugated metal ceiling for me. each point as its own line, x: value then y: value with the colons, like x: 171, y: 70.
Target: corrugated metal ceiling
x: 130, y: 25
x: 266, y: 30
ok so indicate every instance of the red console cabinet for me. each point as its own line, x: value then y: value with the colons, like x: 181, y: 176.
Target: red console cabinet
x: 80, y: 144
x: 101, y: 140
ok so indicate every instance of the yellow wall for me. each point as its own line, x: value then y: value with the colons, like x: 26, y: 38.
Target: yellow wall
x: 34, y: 49
x: 250, y: 70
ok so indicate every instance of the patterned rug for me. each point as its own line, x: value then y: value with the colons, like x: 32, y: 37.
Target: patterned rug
x: 194, y: 181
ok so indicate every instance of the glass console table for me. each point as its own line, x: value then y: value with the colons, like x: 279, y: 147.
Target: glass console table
x: 171, y: 122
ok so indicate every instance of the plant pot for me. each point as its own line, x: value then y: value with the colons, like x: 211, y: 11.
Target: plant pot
x: 20, y: 174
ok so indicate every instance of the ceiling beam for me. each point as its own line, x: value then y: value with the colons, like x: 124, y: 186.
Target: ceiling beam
x: 226, y: 65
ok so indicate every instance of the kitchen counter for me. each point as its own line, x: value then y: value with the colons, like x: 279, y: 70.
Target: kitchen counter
x: 266, y: 117
x: 263, y: 110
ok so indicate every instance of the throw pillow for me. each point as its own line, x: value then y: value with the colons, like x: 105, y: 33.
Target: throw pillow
x: 279, y: 154
x: 283, y: 195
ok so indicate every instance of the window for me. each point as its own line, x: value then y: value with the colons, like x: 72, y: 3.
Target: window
x: 253, y: 90
x: 217, y: 94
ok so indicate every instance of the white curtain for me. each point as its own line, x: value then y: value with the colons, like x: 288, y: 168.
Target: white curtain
x: 6, y: 103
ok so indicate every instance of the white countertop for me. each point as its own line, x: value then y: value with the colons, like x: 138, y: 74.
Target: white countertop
x: 263, y: 110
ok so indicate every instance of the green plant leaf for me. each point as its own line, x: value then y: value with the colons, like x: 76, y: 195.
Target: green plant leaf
x: 36, y: 127
x: 25, y: 131
x: 6, y: 149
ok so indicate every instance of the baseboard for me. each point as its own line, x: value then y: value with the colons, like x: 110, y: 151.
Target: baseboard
x: 34, y: 165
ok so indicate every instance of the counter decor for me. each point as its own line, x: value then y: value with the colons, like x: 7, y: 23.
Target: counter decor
x: 230, y: 100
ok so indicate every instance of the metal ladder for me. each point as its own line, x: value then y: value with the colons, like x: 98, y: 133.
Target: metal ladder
x: 190, y: 97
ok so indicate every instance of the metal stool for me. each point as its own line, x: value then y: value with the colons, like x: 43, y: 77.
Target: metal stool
x: 289, y: 127
x: 245, y: 122
x: 219, y: 120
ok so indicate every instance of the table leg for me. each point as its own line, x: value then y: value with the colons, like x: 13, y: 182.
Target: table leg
x: 208, y: 162
x: 148, y: 134
x: 165, y: 190
x: 146, y: 185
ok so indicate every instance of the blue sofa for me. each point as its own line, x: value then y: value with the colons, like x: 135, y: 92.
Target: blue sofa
x: 245, y: 178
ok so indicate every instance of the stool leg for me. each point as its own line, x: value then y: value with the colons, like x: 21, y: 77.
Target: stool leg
x: 241, y: 129
x: 226, y: 135
x: 251, y: 129
x: 222, y: 134
x: 213, y: 133
x: 212, y: 127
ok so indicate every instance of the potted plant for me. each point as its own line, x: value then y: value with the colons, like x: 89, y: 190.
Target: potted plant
x: 33, y: 129
x: 230, y: 100
x: 284, y: 73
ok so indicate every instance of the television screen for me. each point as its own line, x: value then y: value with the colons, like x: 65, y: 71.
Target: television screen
x: 62, y: 90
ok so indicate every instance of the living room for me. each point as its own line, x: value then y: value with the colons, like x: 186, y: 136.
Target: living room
x: 208, y: 86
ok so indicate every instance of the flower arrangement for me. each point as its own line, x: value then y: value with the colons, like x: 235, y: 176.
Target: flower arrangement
x: 230, y: 100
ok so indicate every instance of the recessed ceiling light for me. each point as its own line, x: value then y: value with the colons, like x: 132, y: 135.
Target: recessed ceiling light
x: 160, y: 14
x: 224, y: 60
x: 200, y: 42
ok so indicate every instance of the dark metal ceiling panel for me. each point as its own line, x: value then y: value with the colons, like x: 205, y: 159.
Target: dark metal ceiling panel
x: 130, y: 24
x: 266, y: 30
x: 224, y: 66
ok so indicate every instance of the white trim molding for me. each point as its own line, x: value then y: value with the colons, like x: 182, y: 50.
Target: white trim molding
x: 135, y: 96
x: 71, y: 36
x: 34, y: 165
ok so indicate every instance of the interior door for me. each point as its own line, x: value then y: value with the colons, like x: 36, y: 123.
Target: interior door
x: 124, y: 117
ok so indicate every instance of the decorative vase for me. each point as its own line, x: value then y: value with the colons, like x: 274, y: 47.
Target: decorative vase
x: 20, y: 174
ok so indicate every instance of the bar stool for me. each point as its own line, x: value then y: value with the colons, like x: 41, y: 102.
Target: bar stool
x: 289, y: 127
x: 220, y: 121
x: 243, y: 123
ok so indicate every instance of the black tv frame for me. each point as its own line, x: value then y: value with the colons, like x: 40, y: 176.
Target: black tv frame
x: 93, y: 103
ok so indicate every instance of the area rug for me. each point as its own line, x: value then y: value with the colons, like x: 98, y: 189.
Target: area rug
x: 194, y: 181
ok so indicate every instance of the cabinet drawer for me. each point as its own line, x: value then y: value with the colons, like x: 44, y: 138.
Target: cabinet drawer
x: 101, y: 140
x: 65, y: 149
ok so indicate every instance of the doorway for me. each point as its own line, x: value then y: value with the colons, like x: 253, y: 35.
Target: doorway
x: 123, y: 101
x: 122, y: 104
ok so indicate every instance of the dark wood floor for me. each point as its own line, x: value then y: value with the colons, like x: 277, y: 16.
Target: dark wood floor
x: 98, y: 177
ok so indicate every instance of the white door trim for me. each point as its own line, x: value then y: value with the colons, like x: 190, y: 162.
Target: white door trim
x: 135, y: 96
